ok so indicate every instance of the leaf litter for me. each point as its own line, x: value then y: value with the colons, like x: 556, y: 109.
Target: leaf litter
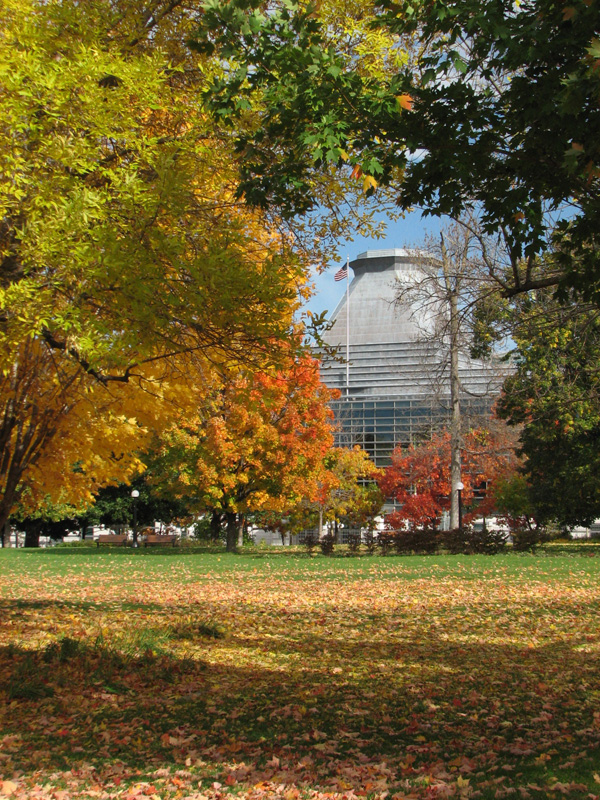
x: 260, y: 685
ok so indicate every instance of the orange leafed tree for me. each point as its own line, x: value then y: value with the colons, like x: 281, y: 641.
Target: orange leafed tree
x: 419, y: 476
x: 257, y: 444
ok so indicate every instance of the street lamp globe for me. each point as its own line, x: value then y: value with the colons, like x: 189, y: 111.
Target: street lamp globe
x: 460, y: 486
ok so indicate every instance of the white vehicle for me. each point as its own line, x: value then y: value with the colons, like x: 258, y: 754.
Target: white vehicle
x: 492, y: 524
x: 92, y: 532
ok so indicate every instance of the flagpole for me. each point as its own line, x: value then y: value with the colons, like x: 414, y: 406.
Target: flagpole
x: 347, y: 327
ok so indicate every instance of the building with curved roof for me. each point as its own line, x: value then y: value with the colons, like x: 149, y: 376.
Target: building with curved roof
x: 391, y: 370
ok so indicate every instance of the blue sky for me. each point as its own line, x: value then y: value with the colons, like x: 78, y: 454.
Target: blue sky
x: 407, y: 232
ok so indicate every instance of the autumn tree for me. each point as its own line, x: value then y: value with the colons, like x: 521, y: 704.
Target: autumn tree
x: 64, y: 435
x: 257, y: 443
x: 472, y: 118
x: 419, y: 477
x: 456, y: 272
x: 346, y: 491
x: 128, y: 270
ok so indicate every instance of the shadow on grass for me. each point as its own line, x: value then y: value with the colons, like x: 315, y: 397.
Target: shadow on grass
x: 344, y: 713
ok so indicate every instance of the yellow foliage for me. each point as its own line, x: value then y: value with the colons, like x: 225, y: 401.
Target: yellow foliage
x: 130, y: 270
x: 65, y: 434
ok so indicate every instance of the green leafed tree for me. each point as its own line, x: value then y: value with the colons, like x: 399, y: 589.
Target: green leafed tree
x: 555, y: 396
x: 495, y: 107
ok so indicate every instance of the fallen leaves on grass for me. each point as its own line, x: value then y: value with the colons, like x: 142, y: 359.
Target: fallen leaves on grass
x: 468, y: 685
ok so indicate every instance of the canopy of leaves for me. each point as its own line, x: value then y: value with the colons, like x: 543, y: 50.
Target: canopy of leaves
x: 346, y: 490
x: 128, y: 271
x: 501, y: 112
x: 257, y: 443
x: 554, y: 394
x: 121, y: 204
x: 114, y: 505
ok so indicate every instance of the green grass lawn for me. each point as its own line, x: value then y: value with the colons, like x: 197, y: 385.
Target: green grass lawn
x: 153, y: 674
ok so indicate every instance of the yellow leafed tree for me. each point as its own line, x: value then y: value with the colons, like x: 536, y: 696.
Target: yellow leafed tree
x: 128, y: 270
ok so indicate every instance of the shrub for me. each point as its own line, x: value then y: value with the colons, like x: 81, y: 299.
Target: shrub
x: 203, y: 530
x: 525, y: 537
x: 354, y: 539
x: 454, y: 541
x: 327, y: 544
x: 426, y: 541
x: 485, y: 541
x: 470, y: 541
x: 385, y: 541
x: 310, y: 540
x: 370, y: 541
x: 402, y: 541
x: 415, y: 541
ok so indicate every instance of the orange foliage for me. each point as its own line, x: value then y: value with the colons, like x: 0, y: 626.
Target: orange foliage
x: 257, y: 444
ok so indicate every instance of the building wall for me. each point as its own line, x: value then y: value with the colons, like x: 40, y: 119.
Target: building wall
x: 394, y: 381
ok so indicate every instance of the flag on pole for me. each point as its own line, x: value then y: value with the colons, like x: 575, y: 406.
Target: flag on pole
x: 341, y: 273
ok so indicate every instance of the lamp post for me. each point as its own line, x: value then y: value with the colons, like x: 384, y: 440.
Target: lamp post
x: 460, y: 486
x: 135, y: 494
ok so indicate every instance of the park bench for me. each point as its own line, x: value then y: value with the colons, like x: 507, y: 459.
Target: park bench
x: 112, y: 538
x: 161, y: 539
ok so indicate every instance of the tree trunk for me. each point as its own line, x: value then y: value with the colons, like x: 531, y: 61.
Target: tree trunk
x: 320, y: 532
x: 455, y: 421
x: 9, y: 496
x: 232, y: 531
x: 32, y: 536
x: 241, y: 523
x: 215, y: 526
x: 3, y: 520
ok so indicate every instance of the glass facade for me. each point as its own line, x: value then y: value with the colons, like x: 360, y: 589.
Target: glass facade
x: 378, y: 426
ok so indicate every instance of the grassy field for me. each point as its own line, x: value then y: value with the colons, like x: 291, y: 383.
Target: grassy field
x: 169, y: 675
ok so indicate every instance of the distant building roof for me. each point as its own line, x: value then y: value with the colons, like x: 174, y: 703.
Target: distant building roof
x: 396, y: 252
x: 374, y: 317
x: 389, y: 355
